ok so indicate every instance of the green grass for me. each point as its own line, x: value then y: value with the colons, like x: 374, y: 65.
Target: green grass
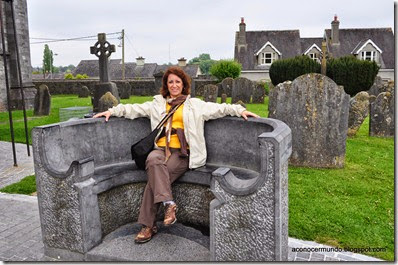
x: 25, y: 186
x: 350, y: 207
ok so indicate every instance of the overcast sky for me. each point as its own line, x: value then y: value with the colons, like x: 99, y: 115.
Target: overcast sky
x: 167, y: 30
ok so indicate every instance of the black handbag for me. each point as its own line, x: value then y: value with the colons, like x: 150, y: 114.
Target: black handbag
x: 141, y: 149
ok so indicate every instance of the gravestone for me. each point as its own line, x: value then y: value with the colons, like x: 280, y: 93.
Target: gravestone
x: 42, y: 101
x: 226, y: 86
x: 242, y: 89
x: 124, y: 90
x: 240, y: 102
x: 107, y: 101
x: 210, y: 93
x: 316, y: 109
x: 382, y: 118
x: 258, y: 93
x: 158, y: 81
x: 193, y: 88
x: 377, y: 87
x: 103, y: 49
x: 359, y: 110
x: 84, y: 92
x: 223, y: 98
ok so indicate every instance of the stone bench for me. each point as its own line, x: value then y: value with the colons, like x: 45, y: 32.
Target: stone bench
x: 88, y: 186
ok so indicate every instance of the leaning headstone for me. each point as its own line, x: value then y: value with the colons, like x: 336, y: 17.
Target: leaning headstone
x: 223, y: 98
x: 258, y: 93
x: 240, y: 102
x: 359, y: 110
x: 242, y: 89
x: 83, y: 92
x: 316, y: 109
x: 381, y: 121
x: 42, y: 103
x: 377, y: 87
x: 226, y: 86
x: 103, y: 49
x: 124, y: 90
x: 210, y: 93
x: 107, y: 101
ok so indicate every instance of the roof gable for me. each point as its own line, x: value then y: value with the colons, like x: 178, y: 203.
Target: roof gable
x: 363, y: 44
x: 310, y: 48
x: 268, y: 44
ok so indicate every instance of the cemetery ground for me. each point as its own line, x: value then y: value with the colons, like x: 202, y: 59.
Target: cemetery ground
x: 350, y: 207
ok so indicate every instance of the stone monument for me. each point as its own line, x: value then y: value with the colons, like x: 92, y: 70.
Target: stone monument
x: 258, y: 93
x: 359, y: 110
x: 103, y: 49
x: 316, y: 109
x: 210, y: 93
x: 22, y: 36
x: 382, y: 119
x: 42, y: 101
x: 242, y: 89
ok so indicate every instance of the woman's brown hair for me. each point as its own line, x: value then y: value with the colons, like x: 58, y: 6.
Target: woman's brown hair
x: 186, y: 80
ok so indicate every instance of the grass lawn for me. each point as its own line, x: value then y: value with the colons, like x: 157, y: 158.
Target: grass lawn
x: 350, y: 207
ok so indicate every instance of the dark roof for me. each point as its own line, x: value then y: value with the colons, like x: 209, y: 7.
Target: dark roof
x: 306, y: 43
x: 190, y: 69
x: 351, y: 38
x: 286, y: 41
x: 132, y: 70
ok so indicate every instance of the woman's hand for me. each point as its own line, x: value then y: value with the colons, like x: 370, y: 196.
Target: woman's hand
x: 247, y: 113
x: 107, y: 114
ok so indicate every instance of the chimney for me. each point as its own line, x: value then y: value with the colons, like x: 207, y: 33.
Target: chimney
x: 335, y: 30
x: 140, y: 61
x: 242, y: 32
x: 182, y: 62
x: 240, y: 37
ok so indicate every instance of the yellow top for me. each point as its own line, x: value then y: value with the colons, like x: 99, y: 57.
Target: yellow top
x: 177, y: 123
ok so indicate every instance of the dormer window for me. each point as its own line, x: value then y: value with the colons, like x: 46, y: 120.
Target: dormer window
x: 314, y: 52
x: 369, y: 55
x: 314, y: 56
x: 368, y: 50
x: 267, y: 58
x: 267, y: 54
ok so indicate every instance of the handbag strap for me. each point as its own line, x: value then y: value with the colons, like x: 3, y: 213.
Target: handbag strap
x: 165, y: 118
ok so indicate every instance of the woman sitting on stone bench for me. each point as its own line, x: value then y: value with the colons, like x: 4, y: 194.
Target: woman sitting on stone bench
x: 180, y: 145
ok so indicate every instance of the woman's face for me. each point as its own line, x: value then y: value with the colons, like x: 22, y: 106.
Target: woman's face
x: 174, y: 85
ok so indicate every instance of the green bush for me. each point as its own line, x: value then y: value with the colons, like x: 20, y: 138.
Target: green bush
x: 354, y: 74
x: 289, y: 69
x: 83, y: 76
x: 69, y: 76
x: 225, y: 68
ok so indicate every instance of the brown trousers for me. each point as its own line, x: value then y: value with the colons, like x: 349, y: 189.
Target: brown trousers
x: 160, y: 176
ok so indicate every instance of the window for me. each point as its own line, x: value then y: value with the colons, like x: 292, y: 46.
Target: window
x: 369, y: 55
x: 267, y: 58
x: 314, y: 56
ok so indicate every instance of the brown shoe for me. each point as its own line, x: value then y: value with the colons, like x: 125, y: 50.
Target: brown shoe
x: 145, y: 234
x: 170, y: 214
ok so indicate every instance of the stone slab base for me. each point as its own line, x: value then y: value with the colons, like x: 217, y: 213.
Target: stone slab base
x: 175, y: 243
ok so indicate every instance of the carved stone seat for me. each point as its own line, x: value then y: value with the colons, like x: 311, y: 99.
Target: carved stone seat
x: 88, y: 186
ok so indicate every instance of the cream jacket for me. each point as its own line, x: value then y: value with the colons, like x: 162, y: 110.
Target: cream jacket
x: 195, y: 113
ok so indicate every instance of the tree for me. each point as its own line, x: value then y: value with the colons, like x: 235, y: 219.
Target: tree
x: 204, y: 61
x: 226, y: 68
x: 48, y: 60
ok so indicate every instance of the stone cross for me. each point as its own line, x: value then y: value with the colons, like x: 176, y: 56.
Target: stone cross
x: 103, y: 49
x: 324, y: 56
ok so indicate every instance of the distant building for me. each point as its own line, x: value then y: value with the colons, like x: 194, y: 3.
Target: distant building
x: 137, y: 70
x: 257, y: 50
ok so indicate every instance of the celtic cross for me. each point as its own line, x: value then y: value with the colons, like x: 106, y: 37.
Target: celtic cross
x: 103, y: 49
